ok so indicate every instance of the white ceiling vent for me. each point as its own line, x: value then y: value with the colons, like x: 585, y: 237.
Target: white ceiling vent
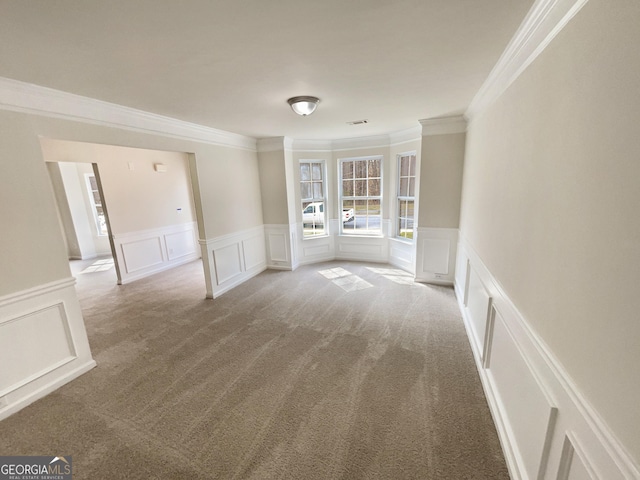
x: 358, y: 122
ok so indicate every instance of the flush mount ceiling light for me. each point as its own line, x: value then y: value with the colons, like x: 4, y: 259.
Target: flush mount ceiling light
x: 303, y: 105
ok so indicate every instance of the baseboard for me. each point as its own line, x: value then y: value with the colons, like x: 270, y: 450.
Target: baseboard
x: 546, y: 426
x: 43, y: 391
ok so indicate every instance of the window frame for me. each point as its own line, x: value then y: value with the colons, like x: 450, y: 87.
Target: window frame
x: 94, y: 205
x: 405, y: 198
x: 313, y: 199
x: 342, y: 198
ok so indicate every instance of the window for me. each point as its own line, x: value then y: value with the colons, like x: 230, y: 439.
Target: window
x: 312, y: 192
x: 361, y: 195
x: 406, y: 195
x: 96, y: 203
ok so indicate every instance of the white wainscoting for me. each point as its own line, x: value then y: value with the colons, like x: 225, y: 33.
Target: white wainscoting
x: 436, y: 255
x: 143, y: 253
x: 43, y: 343
x: 280, y: 245
x: 402, y: 254
x: 315, y: 249
x: 547, y: 428
x: 233, y: 259
x: 368, y: 249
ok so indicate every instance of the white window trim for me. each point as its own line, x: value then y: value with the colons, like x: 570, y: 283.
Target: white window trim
x: 340, y: 197
x: 326, y: 233
x: 399, y: 198
x: 94, y: 206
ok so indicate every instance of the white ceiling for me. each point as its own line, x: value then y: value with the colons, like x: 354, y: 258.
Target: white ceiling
x: 232, y: 64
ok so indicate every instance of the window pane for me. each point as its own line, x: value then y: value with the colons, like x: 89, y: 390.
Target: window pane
x: 347, y: 170
x: 403, y: 191
x: 374, y: 168
x: 316, y: 171
x: 305, y: 190
x: 361, y: 169
x: 317, y: 190
x: 374, y: 187
x: 360, y: 188
x: 93, y: 182
x: 413, y: 166
x: 305, y: 173
x: 373, y: 207
x: 404, y: 166
x: 412, y: 187
x: 347, y: 188
x: 96, y: 198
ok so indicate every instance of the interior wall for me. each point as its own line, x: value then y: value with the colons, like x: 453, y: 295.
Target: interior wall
x: 137, y: 196
x: 64, y: 211
x: 442, y: 161
x: 550, y: 199
x: 273, y: 187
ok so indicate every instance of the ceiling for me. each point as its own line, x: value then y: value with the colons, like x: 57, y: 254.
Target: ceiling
x: 231, y: 65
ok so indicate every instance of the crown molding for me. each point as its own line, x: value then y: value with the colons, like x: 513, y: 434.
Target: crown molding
x: 270, y: 144
x: 404, y: 136
x: 443, y: 125
x: 544, y: 21
x: 373, y: 141
x: 27, y: 98
x: 312, y: 145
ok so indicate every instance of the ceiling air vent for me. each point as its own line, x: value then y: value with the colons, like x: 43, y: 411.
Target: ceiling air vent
x: 358, y: 122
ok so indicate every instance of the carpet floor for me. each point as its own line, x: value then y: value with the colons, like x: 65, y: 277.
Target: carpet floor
x: 339, y: 370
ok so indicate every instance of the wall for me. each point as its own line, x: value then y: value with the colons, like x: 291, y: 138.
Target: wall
x: 42, y: 333
x: 549, y: 252
x: 64, y: 211
x: 443, y: 150
x: 76, y: 211
x: 151, y: 214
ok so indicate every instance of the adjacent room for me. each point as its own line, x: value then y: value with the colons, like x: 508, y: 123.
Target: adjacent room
x: 320, y: 240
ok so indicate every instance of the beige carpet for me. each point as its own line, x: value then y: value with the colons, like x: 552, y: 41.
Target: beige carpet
x: 335, y: 371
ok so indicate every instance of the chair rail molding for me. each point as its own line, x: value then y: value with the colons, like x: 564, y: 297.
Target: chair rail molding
x: 547, y: 427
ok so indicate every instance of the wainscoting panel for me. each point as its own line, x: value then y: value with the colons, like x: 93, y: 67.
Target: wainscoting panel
x: 43, y: 343
x: 315, y: 249
x: 372, y: 249
x: 478, y: 301
x: 539, y: 412
x: 529, y: 413
x: 143, y: 253
x: 572, y: 464
x: 436, y: 255
x: 180, y: 244
x: 402, y: 254
x: 233, y: 259
x: 278, y: 244
x: 253, y: 250
x: 228, y: 262
x: 36, y: 357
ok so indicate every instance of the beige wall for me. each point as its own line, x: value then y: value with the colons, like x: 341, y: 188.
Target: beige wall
x: 550, y: 203
x: 442, y: 159
x: 273, y: 187
x: 32, y: 250
x: 138, y: 199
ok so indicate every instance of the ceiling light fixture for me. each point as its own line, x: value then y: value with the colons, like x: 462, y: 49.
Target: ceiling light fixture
x: 303, y: 105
